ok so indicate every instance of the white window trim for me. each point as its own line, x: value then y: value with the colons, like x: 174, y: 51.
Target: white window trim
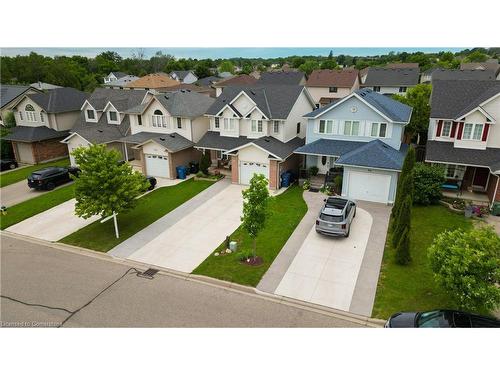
x: 178, y: 123
x: 42, y: 117
x: 90, y: 119
x: 326, y: 123
x: 350, y: 132
x: 442, y: 130
x: 229, y: 124
x: 458, y: 171
x: 276, y: 123
x: 159, y: 121
x: 216, y: 122
x: 474, y: 126
x: 117, y: 121
x: 139, y: 120
x: 255, y: 125
x: 31, y: 116
x: 377, y: 124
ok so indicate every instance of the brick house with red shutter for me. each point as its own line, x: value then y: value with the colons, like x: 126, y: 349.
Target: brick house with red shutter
x: 464, y: 136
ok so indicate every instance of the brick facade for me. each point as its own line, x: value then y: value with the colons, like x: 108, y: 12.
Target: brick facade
x: 273, y: 175
x: 235, y: 178
x: 182, y: 157
x: 43, y: 151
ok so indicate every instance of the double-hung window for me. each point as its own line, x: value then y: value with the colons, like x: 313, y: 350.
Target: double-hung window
x: 229, y: 124
x: 30, y: 113
x: 326, y: 126
x: 113, y: 116
x: 42, y: 118
x: 472, y: 131
x: 217, y: 123
x: 90, y: 114
x: 257, y: 126
x: 276, y: 127
x: 446, y: 129
x: 378, y: 129
x: 139, y: 119
x: 179, y: 123
x: 351, y: 127
x: 158, y: 119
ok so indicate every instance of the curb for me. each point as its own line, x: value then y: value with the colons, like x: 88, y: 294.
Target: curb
x: 230, y: 286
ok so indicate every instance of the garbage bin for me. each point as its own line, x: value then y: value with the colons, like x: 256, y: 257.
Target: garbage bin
x: 468, y: 211
x: 181, y: 172
x: 285, y: 179
x: 495, y: 210
x: 194, y: 167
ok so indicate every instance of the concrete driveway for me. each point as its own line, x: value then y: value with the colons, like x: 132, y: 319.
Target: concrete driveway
x: 325, y: 269
x: 53, y: 224
x: 20, y: 192
x: 185, y: 237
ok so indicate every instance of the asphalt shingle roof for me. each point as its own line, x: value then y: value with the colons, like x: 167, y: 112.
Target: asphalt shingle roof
x: 281, y: 78
x: 207, y: 81
x: 214, y: 141
x: 33, y: 134
x: 65, y: 99
x: 451, y: 99
x: 457, y: 74
x: 375, y: 154
x: 8, y: 93
x: 445, y: 152
x: 278, y: 148
x: 396, y: 111
x: 185, y: 103
x: 182, y: 73
x: 275, y: 101
x: 119, y: 74
x: 122, y: 81
x: 332, y: 78
x: 121, y: 99
x: 241, y: 80
x: 391, y: 77
x: 172, y: 142
x: 329, y: 147
x: 101, y: 131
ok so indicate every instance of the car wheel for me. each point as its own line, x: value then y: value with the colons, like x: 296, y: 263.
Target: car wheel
x: 51, y: 186
x: 12, y: 166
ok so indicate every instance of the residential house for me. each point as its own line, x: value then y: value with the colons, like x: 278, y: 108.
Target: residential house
x: 205, y: 90
x: 456, y: 74
x: 282, y: 78
x: 402, y: 65
x: 9, y: 95
x: 113, y: 76
x: 154, y: 81
x: 208, y: 81
x: 164, y: 129
x: 464, y: 137
x: 44, y: 86
x: 235, y: 81
x: 102, y: 119
x: 255, y: 129
x: 42, y: 121
x: 390, y: 81
x: 121, y: 82
x: 359, y: 138
x: 184, y: 76
x: 490, y: 64
x: 326, y: 85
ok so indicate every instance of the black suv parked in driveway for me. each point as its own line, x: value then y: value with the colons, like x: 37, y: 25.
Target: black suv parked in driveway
x: 48, y: 178
x: 6, y: 164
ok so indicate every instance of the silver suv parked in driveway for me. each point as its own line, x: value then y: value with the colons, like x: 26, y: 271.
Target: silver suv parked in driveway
x: 336, y: 216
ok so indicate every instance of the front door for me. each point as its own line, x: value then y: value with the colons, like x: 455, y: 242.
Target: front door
x: 324, y: 164
x: 480, y: 178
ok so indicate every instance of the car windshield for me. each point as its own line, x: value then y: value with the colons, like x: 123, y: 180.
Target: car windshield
x: 331, y: 218
x: 434, y: 319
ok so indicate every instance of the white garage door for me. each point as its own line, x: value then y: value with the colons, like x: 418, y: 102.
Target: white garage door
x: 25, y: 153
x: 157, y: 165
x: 371, y: 187
x: 248, y: 169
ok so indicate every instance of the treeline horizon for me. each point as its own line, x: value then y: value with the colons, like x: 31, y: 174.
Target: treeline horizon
x: 87, y: 73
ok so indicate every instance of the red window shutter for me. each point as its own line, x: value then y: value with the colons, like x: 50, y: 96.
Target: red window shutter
x: 485, y: 131
x: 440, y: 126
x: 453, y: 129
x: 460, y: 130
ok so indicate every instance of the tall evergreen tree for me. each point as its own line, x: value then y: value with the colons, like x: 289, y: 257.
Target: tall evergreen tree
x: 403, y: 248
x: 403, y: 221
x: 408, y: 165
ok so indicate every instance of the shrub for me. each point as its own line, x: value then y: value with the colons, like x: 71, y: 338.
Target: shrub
x: 338, y: 182
x: 205, y: 162
x: 428, y: 182
x: 313, y: 170
x: 306, y: 185
x: 467, y: 265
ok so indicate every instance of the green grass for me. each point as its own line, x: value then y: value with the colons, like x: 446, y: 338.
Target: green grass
x: 26, y: 209
x: 101, y: 236
x: 286, y: 211
x: 17, y: 175
x: 412, y: 287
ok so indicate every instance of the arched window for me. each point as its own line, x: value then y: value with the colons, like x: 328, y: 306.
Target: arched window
x: 159, y: 120
x: 30, y: 113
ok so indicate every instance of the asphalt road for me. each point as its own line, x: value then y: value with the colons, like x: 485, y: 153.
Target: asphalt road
x: 47, y: 287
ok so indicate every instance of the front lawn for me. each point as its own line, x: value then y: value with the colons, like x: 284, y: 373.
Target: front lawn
x: 286, y: 211
x: 20, y: 174
x: 412, y: 287
x: 33, y: 206
x: 101, y: 236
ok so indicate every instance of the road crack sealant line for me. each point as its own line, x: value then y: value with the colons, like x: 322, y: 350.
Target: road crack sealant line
x: 72, y: 313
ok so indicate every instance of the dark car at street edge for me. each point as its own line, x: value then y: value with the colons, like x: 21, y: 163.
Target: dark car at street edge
x: 8, y: 164
x: 440, y: 319
x: 50, y: 177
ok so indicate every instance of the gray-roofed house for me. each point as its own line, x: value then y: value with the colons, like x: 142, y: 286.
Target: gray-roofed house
x: 490, y: 64
x: 359, y: 137
x: 10, y: 95
x: 282, y: 78
x: 464, y: 137
x: 121, y: 82
x: 184, y: 76
x: 254, y: 129
x: 43, y: 119
x: 44, y: 86
x: 164, y: 129
x: 390, y: 81
x: 456, y: 74
x: 113, y: 76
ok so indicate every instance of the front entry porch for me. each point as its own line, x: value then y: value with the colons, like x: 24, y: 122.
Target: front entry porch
x: 476, y: 184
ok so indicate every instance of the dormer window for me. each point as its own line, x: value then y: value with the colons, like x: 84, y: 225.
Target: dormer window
x: 30, y: 113
x: 473, y: 132
x: 113, y: 116
x: 90, y: 114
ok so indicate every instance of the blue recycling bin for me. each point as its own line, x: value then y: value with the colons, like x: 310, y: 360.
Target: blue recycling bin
x: 181, y: 172
x: 285, y: 179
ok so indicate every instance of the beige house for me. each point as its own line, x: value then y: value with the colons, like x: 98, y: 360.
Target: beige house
x: 42, y: 120
x: 325, y: 85
x: 10, y: 95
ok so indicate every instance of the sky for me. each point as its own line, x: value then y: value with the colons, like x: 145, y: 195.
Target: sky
x: 213, y: 53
